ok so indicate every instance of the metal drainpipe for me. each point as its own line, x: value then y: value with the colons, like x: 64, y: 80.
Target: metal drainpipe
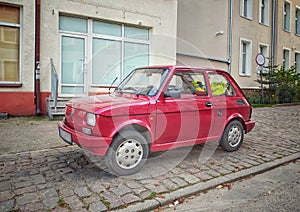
x: 37, y: 90
x: 273, y: 35
x: 230, y: 37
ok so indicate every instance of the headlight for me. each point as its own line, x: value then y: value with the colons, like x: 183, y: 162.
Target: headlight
x: 91, y: 119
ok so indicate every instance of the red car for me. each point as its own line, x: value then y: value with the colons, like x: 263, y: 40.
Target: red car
x: 155, y: 109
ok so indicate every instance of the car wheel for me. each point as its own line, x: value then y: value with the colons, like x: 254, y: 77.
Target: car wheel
x: 233, y: 136
x: 127, y: 154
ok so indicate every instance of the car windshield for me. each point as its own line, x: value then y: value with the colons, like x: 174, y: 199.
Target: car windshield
x: 143, y: 81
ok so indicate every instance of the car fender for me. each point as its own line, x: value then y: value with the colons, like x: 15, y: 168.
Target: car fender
x: 234, y: 117
x: 128, y: 123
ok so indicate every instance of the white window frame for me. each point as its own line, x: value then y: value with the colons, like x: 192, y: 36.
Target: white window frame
x: 297, y: 62
x: 284, y: 59
x: 89, y: 36
x: 266, y: 12
x: 20, y: 26
x: 266, y: 55
x: 297, y: 20
x: 248, y: 61
x: 284, y: 15
x: 249, y: 5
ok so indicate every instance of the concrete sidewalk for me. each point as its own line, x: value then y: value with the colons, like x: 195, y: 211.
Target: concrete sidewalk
x: 39, y: 172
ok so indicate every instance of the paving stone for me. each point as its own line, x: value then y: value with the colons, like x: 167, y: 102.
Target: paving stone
x: 51, y: 202
x: 74, y: 203
x: 97, y: 187
x: 180, y: 182
x: 66, y: 191
x: 203, y: 176
x: 191, y: 179
x: 27, y: 198
x: 97, y: 206
x: 5, y: 185
x: 38, y: 179
x: 120, y: 190
x: 133, y: 184
x: 7, y: 205
x: 170, y: 185
x: 82, y: 191
x: 213, y: 173
x: 6, y: 195
x: 92, y: 199
x: 130, y: 198
x: 36, y: 206
x: 113, y: 199
x: 28, y: 189
x: 50, y: 192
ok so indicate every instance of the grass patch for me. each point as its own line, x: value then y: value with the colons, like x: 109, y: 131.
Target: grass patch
x: 61, y: 202
x: 105, y: 202
x: 151, y: 196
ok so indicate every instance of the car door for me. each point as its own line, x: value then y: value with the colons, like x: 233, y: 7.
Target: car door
x: 185, y: 117
x: 223, y: 101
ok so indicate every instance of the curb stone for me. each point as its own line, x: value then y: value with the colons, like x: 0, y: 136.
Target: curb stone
x: 203, y: 186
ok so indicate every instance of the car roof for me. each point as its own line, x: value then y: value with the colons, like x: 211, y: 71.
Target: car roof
x: 182, y: 67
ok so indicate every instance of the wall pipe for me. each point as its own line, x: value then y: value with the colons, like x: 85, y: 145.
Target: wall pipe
x: 230, y: 36
x: 37, y: 90
x: 273, y: 34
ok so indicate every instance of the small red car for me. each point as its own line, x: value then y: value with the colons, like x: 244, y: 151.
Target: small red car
x: 155, y: 109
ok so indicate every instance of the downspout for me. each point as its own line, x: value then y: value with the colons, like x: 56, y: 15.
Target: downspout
x: 37, y: 90
x: 273, y: 33
x: 230, y: 36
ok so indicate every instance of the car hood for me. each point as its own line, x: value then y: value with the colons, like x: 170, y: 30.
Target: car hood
x: 112, y: 105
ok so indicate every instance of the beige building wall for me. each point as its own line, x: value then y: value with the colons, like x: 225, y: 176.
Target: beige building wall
x: 287, y: 39
x: 202, y: 30
x: 159, y: 15
x: 249, y: 29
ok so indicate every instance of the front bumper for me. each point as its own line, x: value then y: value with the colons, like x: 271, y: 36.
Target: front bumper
x: 249, y: 125
x: 94, y: 144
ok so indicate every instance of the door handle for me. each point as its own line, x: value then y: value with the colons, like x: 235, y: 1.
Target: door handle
x: 208, y: 104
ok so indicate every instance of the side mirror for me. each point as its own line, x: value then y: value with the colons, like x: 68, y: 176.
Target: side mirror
x: 173, y: 93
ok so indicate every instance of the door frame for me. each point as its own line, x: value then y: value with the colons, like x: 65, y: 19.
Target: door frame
x: 84, y: 67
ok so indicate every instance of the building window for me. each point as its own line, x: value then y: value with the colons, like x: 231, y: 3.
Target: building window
x: 245, y: 57
x: 286, y: 59
x: 117, y: 49
x: 297, y: 21
x: 297, y: 62
x: 246, y: 8
x: 286, y: 16
x: 264, y: 50
x: 95, y: 52
x: 264, y: 12
x: 9, y: 44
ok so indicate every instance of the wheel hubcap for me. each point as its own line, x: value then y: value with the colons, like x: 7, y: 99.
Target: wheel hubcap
x: 234, y: 136
x: 129, y: 154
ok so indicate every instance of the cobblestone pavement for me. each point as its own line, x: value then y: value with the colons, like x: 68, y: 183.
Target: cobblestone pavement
x: 67, y: 179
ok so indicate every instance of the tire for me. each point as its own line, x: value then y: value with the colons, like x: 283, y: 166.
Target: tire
x: 233, y: 136
x: 127, y: 154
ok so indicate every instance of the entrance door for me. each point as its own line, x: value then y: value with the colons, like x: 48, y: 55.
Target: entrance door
x: 73, y: 66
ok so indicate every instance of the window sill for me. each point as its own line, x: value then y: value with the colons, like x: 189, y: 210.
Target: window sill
x: 244, y: 75
x: 286, y: 30
x: 11, y: 85
x: 264, y: 24
x: 247, y: 18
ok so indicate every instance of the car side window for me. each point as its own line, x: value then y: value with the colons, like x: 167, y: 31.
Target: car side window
x: 220, y: 85
x: 189, y: 83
